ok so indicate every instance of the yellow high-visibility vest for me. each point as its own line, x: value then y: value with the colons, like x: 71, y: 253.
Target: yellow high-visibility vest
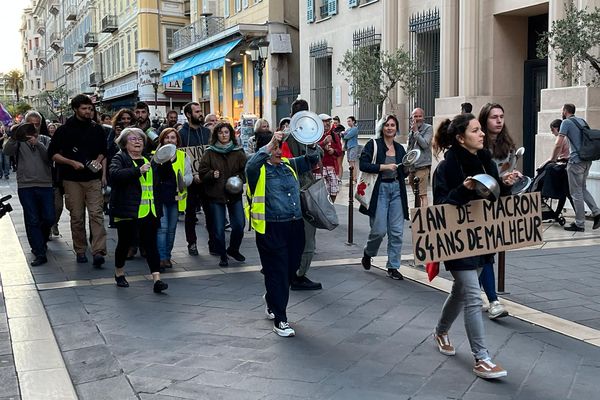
x: 147, y: 202
x: 255, y: 209
x: 179, y: 169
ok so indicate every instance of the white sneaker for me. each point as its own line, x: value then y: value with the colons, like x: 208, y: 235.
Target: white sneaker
x: 268, y: 313
x: 497, y: 310
x: 283, y: 329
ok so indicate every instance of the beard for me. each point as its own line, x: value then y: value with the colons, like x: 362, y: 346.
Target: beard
x: 196, y: 121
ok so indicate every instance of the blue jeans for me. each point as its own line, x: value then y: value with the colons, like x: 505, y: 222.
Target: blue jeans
x: 4, y: 164
x: 388, y: 219
x: 466, y: 296
x: 166, y: 233
x: 237, y: 221
x: 38, y: 213
x: 488, y: 282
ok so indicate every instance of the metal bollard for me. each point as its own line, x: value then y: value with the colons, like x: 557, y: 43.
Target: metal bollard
x: 351, y: 208
x: 416, y: 181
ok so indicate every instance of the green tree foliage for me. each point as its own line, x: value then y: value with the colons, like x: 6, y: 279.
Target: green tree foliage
x: 56, y: 104
x: 573, y: 42
x: 19, y: 108
x: 14, y: 80
x: 373, y: 73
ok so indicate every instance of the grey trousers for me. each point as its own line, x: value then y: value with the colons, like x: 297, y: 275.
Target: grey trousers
x: 466, y: 296
x: 309, y: 248
x: 577, y: 174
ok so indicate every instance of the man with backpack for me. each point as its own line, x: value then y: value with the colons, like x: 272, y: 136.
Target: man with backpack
x: 578, y: 170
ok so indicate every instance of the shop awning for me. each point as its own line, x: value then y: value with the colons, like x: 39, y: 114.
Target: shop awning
x: 199, y: 63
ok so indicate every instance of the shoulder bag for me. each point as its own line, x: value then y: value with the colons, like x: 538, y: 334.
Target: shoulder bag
x: 366, y: 182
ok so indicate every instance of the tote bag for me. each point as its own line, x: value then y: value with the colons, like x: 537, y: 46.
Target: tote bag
x: 317, y: 207
x: 366, y: 182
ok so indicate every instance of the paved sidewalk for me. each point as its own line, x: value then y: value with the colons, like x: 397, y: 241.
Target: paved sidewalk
x: 363, y: 336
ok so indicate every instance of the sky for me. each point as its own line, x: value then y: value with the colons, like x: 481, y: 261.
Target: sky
x: 10, y: 23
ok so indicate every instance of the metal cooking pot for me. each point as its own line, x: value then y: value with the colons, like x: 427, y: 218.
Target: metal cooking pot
x: 164, y: 153
x: 306, y: 127
x: 411, y: 157
x: 487, y: 187
x: 234, y: 185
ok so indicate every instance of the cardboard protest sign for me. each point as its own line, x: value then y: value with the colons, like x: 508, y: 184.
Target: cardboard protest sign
x: 448, y: 232
x: 194, y: 153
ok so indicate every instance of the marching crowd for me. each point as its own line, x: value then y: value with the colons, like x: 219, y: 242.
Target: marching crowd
x: 143, y: 176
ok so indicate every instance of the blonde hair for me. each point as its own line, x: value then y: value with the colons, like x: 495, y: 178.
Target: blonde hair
x: 259, y: 123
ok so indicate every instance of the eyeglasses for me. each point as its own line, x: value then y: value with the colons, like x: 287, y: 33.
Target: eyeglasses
x: 135, y: 139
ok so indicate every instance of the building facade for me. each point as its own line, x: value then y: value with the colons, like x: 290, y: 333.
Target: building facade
x: 112, y: 50
x: 215, y: 50
x: 469, y: 51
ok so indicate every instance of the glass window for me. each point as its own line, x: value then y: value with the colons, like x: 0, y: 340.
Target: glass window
x: 226, y: 8
x: 238, y: 5
x: 169, y: 32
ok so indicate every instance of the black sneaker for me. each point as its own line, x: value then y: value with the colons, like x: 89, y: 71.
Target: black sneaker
x: 192, y: 249
x: 82, y: 258
x: 366, y: 262
x: 159, y: 286
x: 394, y: 274
x: 596, y: 222
x: 236, y: 255
x: 574, y: 228
x: 39, y: 260
x: 121, y: 281
x: 98, y: 260
x: 303, y: 283
x: 224, y: 261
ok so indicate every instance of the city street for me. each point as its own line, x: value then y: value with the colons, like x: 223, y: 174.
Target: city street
x: 74, y: 334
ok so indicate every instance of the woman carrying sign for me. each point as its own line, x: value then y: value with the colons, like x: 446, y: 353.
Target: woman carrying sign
x: 389, y: 204
x: 452, y: 184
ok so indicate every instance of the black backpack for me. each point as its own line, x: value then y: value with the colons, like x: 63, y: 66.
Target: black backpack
x: 590, y: 142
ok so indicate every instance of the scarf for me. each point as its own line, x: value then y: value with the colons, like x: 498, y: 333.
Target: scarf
x: 223, y: 148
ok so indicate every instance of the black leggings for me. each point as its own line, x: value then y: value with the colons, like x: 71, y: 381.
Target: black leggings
x: 146, y: 229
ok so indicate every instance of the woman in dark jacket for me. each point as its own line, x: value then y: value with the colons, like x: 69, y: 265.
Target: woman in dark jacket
x: 389, y: 204
x: 452, y: 184
x: 133, y: 206
x: 222, y: 160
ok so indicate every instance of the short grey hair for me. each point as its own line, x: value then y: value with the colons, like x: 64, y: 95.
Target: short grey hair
x: 121, y: 140
x: 32, y: 114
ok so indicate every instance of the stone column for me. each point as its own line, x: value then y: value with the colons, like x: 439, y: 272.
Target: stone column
x: 468, y: 42
x: 556, y: 11
x: 402, y: 22
x: 449, y: 48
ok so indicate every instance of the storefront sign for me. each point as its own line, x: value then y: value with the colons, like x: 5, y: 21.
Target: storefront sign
x: 120, y: 90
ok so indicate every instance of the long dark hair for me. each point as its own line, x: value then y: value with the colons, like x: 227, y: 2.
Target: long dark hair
x: 214, y: 138
x: 117, y: 117
x: 503, y: 144
x: 445, y: 136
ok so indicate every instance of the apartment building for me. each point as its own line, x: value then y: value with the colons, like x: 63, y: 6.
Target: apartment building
x: 227, y: 48
x: 32, y: 46
x: 112, y: 50
x: 470, y: 51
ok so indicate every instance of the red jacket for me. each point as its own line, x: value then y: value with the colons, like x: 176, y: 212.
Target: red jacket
x: 330, y: 160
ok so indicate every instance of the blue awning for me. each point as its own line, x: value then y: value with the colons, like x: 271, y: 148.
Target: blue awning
x: 199, y: 63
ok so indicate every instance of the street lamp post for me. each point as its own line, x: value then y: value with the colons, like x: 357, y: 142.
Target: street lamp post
x: 259, y: 52
x: 155, y: 75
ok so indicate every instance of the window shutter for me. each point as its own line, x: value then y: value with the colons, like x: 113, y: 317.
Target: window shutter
x: 332, y: 7
x: 226, y: 8
x: 310, y: 10
x: 352, y: 3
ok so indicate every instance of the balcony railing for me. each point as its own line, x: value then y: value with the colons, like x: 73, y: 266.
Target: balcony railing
x: 199, y: 30
x: 71, y: 14
x: 109, y: 24
x: 54, y: 7
x: 80, y: 51
x: 68, y: 59
x: 91, y: 40
x: 41, y: 26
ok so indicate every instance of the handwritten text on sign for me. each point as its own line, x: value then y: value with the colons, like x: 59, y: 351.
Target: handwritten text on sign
x: 448, y: 232
x: 194, y: 153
